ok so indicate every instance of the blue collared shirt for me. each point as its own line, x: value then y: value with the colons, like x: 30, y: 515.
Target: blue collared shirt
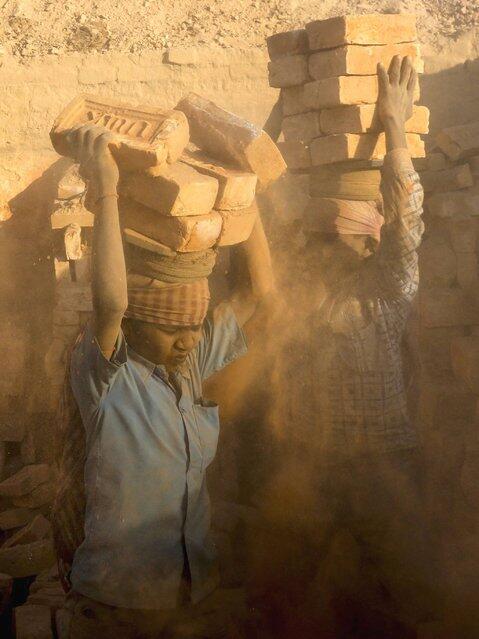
x: 147, y: 453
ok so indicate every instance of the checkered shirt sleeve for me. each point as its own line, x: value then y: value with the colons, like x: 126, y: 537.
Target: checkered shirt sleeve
x: 397, y: 257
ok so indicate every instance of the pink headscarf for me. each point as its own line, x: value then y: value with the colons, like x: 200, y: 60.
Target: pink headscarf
x: 345, y: 217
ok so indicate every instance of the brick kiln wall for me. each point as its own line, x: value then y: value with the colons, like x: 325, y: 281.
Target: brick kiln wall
x: 35, y: 90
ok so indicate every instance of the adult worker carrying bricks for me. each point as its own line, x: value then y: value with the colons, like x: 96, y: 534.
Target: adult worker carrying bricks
x: 349, y: 432
x: 146, y: 565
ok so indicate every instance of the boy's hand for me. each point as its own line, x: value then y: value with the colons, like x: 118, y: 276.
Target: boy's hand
x: 97, y: 165
x: 396, y: 91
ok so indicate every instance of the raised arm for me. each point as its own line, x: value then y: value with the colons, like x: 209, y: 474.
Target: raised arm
x: 401, y: 189
x: 109, y: 290
x: 247, y: 297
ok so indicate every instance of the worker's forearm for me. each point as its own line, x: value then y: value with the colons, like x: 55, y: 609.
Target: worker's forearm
x: 258, y: 259
x: 109, y: 271
x: 395, y: 131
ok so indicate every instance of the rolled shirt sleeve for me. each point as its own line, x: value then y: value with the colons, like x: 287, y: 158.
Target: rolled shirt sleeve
x: 223, y: 341
x: 92, y: 374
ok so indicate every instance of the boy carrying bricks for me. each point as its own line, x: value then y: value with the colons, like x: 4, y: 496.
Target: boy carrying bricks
x: 347, y: 413
x: 146, y: 567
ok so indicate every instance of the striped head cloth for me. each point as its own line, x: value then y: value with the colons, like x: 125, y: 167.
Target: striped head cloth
x: 150, y: 300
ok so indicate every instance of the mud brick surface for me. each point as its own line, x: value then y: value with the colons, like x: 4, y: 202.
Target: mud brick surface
x: 12, y: 429
x: 303, y: 127
x: 33, y: 622
x: 76, y: 297
x: 432, y: 162
x: 184, y: 234
x: 62, y: 270
x: 25, y: 480
x: 448, y: 307
x: 474, y: 166
x: 364, y: 118
x: 296, y: 154
x: 70, y: 185
x: 361, y: 29
x: 27, y: 559
x: 344, y: 89
x: 292, y: 101
x: 237, y: 225
x: 454, y: 204
x: 360, y: 60
x: 172, y: 189
x: 465, y: 360
x: 236, y: 189
x: 467, y: 270
x: 287, y: 43
x: 288, y: 71
x: 457, y: 177
x: 464, y: 235
x: 38, y: 529
x: 437, y: 262
x: 76, y: 213
x: 232, y: 139
x: 350, y: 146
x: 143, y: 136
x: 16, y: 517
x: 40, y: 496
x: 137, y: 239
x: 459, y: 142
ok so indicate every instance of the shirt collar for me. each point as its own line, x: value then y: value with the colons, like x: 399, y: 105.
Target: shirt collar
x: 148, y: 368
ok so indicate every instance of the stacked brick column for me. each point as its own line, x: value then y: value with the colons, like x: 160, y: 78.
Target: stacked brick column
x: 71, y: 225
x: 449, y: 299
x: 327, y: 74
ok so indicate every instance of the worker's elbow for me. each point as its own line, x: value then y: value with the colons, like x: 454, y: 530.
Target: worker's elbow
x: 114, y: 307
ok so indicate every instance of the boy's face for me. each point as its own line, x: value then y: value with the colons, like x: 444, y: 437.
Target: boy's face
x: 346, y: 251
x: 166, y: 345
x: 350, y: 249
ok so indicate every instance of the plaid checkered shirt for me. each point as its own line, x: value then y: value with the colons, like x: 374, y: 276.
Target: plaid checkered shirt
x: 353, y: 391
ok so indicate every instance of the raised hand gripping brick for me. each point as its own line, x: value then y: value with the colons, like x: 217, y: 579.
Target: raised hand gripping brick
x: 144, y: 136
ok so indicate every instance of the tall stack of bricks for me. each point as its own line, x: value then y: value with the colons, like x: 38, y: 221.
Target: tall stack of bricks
x: 327, y: 74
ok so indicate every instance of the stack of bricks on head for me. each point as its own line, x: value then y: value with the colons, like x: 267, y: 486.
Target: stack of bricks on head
x: 188, y: 176
x: 327, y: 74
x: 188, y: 183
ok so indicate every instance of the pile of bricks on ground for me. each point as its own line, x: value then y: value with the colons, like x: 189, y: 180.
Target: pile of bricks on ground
x: 327, y: 74
x: 26, y: 546
x: 26, y: 496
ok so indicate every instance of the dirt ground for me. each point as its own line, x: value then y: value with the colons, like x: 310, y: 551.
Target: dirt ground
x: 32, y: 28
